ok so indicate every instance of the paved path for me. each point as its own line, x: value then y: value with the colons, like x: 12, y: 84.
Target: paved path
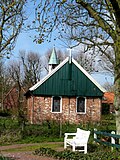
x: 28, y: 155
x: 25, y: 156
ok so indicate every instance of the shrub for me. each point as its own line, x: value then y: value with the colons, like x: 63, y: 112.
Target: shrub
x: 46, y: 131
x: 5, y: 113
x: 9, y: 137
x: 67, y: 155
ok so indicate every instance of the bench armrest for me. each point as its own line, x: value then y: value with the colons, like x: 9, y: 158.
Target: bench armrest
x: 69, y: 134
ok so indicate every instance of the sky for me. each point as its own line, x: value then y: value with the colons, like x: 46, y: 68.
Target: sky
x: 25, y: 42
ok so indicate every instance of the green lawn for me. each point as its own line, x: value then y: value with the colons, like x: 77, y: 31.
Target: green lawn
x: 47, y: 135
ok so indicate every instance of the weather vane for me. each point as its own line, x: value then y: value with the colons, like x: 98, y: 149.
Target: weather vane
x: 70, y: 54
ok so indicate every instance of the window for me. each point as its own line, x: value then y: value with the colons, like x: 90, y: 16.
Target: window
x: 81, y: 105
x: 56, y: 104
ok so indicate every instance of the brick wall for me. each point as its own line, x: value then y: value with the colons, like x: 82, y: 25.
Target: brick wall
x: 39, y: 109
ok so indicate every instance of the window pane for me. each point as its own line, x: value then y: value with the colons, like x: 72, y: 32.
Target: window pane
x: 56, y: 104
x: 80, y: 104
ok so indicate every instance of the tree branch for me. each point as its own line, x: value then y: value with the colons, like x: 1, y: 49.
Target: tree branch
x: 93, y: 14
x: 116, y: 8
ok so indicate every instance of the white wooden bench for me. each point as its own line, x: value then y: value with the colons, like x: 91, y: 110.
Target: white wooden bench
x: 78, y: 141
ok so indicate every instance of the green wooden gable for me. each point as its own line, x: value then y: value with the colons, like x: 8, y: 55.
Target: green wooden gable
x: 68, y: 80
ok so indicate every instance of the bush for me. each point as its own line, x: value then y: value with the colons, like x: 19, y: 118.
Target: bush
x: 9, y: 137
x: 5, y: 114
x: 46, y: 131
x: 67, y: 155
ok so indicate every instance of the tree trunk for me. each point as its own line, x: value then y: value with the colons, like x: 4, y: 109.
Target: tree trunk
x: 117, y: 105
x: 117, y: 81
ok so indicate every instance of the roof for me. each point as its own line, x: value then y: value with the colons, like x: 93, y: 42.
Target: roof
x: 108, y: 98
x: 95, y: 87
x: 89, y: 76
x: 48, y: 75
x: 53, y: 57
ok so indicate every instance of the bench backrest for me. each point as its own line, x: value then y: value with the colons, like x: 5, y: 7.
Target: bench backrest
x: 82, y: 135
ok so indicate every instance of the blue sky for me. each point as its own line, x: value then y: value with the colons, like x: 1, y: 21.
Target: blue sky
x: 103, y: 78
x: 24, y: 42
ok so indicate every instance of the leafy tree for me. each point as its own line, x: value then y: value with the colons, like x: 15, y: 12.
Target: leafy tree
x: 11, y: 21
x: 91, y: 22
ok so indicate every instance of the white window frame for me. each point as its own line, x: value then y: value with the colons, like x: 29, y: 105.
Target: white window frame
x: 85, y: 105
x: 60, y: 104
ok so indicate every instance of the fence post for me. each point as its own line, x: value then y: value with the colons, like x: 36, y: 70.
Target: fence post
x: 112, y: 140
x: 95, y: 135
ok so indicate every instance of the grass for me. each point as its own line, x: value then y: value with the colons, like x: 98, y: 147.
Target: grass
x: 33, y: 147
x: 47, y: 135
x: 11, y: 132
x: 58, y: 146
x: 39, y: 139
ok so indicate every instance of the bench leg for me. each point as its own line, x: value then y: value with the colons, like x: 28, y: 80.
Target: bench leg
x: 85, y: 149
x: 65, y: 144
x: 73, y: 148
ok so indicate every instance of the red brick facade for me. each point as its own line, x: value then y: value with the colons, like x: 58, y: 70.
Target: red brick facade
x: 39, y: 109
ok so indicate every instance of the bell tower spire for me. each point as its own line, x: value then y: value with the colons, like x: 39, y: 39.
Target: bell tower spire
x: 53, y: 62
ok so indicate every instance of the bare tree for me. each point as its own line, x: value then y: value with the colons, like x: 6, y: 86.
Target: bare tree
x: 32, y: 66
x: 109, y: 87
x: 15, y: 73
x: 11, y: 21
x: 1, y: 84
x: 105, y: 64
x: 5, y: 82
x: 86, y: 59
x: 91, y: 22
